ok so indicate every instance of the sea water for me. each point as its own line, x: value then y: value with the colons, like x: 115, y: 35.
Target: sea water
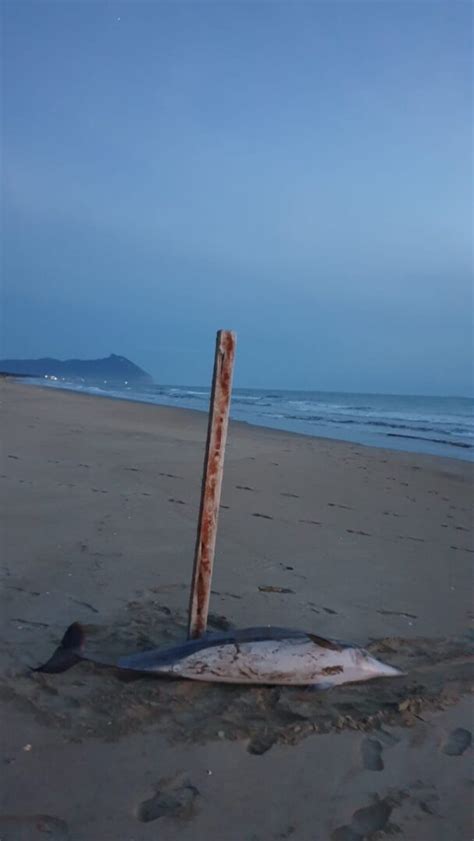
x: 437, y: 425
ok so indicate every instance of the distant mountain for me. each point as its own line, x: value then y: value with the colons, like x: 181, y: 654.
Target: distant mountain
x: 113, y: 369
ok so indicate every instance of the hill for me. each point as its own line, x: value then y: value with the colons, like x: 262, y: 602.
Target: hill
x: 113, y: 369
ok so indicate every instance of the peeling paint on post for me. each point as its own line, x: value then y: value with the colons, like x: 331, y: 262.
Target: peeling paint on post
x: 211, y: 483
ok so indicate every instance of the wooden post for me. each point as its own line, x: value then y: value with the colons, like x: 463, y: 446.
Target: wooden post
x: 211, y: 483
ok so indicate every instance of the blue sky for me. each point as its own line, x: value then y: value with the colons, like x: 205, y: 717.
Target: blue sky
x: 299, y: 172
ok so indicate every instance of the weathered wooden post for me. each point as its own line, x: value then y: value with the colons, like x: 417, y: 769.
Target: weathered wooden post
x: 211, y: 483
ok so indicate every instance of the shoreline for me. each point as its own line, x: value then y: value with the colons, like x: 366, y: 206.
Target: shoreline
x: 343, y: 478
x: 463, y: 457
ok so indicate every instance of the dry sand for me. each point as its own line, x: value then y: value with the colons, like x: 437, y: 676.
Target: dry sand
x: 100, y: 501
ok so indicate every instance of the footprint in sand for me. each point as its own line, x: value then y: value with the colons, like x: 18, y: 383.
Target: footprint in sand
x: 293, y: 496
x: 311, y: 522
x: 388, y: 739
x: 30, y: 624
x: 173, y: 799
x: 372, y: 818
x: 364, y: 822
x: 22, y: 590
x: 263, y: 516
x: 317, y: 608
x: 344, y: 833
x: 358, y: 531
x: 371, y: 751
x: 244, y: 488
x: 217, y: 620
x: 177, y: 501
x: 397, y: 613
x: 32, y: 827
x: 84, y: 604
x: 261, y: 743
x: 288, y: 832
x: 458, y: 742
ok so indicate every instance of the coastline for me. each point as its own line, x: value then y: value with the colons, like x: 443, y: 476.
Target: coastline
x: 100, y: 500
x: 397, y: 443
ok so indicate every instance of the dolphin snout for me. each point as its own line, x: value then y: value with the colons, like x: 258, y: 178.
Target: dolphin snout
x: 383, y: 669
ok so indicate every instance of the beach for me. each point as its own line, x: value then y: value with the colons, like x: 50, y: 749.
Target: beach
x: 100, y: 500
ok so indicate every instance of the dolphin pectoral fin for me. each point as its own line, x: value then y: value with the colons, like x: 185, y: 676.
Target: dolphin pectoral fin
x: 67, y: 654
x: 324, y: 643
x: 320, y: 686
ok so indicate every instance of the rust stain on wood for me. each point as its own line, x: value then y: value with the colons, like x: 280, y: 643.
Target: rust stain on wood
x: 212, y: 481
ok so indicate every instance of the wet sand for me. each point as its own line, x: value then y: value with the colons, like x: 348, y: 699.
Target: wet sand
x: 99, y: 505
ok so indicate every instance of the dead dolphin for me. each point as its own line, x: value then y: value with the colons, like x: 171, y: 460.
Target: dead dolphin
x: 248, y: 656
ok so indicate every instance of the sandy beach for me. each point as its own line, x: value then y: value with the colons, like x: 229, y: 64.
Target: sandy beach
x: 100, y: 501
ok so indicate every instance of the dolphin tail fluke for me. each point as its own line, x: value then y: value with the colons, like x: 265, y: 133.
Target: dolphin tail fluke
x: 68, y: 653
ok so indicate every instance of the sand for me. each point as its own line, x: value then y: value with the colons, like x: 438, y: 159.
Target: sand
x: 99, y: 508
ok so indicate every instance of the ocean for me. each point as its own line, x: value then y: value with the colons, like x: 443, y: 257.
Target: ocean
x: 437, y: 425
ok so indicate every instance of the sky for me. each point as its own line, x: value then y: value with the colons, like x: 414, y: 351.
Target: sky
x: 300, y: 172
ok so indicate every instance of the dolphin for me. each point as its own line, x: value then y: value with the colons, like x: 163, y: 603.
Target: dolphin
x: 267, y: 655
